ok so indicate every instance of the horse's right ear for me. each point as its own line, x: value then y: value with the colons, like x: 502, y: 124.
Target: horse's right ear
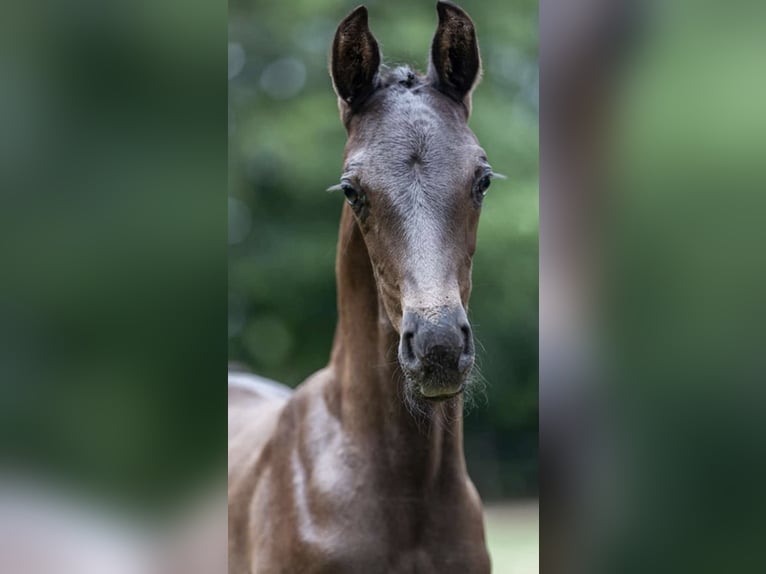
x: 355, y: 59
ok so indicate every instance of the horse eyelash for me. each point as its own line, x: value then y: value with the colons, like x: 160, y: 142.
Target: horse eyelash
x: 336, y: 187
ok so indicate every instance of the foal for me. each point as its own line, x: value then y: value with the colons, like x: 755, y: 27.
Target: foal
x: 362, y: 470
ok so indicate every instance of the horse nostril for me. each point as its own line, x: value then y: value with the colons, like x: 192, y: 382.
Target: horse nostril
x: 467, y: 340
x: 465, y: 363
x: 406, y: 348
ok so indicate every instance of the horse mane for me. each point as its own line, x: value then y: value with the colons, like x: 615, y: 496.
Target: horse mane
x: 400, y: 75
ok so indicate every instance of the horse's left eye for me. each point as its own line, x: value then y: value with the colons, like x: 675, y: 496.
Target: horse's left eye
x: 482, y: 185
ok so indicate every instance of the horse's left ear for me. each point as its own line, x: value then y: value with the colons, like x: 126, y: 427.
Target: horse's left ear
x: 455, y: 65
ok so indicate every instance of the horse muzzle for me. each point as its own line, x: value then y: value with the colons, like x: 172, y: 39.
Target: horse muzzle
x: 436, y: 350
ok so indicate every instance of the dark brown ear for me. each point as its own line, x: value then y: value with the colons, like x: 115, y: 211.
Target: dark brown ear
x: 455, y: 63
x: 355, y: 59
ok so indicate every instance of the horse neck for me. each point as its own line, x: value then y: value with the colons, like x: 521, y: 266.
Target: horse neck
x: 368, y: 388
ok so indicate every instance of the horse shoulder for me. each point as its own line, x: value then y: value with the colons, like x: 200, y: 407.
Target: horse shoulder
x: 274, y: 487
x: 254, y: 408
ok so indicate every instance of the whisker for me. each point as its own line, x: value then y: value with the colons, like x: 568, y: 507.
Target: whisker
x: 477, y: 341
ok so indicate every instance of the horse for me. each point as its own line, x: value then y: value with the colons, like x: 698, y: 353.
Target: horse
x: 361, y: 468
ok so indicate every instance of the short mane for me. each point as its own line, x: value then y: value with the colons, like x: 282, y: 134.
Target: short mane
x: 400, y: 75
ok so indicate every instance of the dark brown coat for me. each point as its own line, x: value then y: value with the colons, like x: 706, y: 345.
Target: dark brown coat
x: 361, y: 469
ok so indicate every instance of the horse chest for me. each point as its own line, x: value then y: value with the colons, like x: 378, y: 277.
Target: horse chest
x: 328, y: 503
x: 364, y: 551
x: 360, y: 530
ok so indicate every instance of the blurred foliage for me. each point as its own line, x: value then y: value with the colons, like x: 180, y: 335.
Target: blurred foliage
x: 683, y: 305
x: 285, y: 148
x: 112, y: 163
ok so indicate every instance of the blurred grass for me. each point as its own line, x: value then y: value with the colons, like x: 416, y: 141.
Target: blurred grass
x: 513, y: 537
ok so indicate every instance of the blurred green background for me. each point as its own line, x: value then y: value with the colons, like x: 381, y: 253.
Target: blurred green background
x: 285, y: 148
x: 113, y: 158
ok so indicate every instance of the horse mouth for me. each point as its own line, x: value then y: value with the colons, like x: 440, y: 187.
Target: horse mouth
x: 439, y: 395
x: 436, y: 384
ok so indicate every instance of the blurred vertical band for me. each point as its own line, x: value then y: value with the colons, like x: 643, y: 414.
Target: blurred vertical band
x: 113, y: 155
x: 582, y: 46
x: 653, y: 132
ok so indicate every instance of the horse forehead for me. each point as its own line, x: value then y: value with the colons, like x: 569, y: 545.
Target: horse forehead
x: 412, y: 136
x: 403, y: 121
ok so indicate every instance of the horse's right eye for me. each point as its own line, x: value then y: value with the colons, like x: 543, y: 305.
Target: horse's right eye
x: 353, y: 197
